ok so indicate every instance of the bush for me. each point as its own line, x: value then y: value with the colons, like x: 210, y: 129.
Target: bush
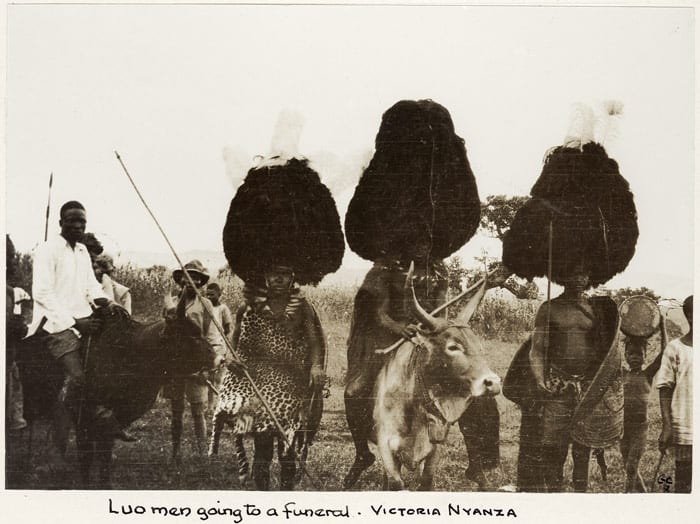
x: 148, y: 287
x: 499, y: 318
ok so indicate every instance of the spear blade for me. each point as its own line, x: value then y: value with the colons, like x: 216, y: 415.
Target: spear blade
x: 48, y: 210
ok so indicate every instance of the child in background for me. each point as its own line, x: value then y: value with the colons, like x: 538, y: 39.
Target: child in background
x: 225, y: 320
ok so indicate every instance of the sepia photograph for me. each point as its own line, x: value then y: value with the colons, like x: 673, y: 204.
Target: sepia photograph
x: 270, y: 262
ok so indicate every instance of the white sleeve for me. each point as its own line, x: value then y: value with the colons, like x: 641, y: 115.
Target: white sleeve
x: 43, y: 287
x: 21, y: 295
x: 666, y: 376
x: 126, y: 301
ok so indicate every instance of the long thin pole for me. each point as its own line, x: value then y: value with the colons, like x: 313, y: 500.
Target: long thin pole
x: 48, y: 210
x: 549, y: 295
x: 179, y: 261
x: 237, y: 360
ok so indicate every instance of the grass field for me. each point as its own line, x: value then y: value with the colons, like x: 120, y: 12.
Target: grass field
x: 146, y: 464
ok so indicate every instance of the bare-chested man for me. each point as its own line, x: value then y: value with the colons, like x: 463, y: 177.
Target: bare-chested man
x: 564, y: 359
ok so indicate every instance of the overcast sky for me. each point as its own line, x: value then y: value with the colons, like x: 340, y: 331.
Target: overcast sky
x: 190, y: 94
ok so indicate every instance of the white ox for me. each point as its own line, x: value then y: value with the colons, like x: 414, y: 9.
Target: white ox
x: 424, y: 386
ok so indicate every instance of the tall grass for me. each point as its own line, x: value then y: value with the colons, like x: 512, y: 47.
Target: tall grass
x: 497, y: 317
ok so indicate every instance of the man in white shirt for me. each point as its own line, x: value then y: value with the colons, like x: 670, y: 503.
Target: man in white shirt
x: 65, y: 290
x: 675, y: 384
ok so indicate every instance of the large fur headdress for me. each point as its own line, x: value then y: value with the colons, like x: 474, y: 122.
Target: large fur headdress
x: 591, y: 210
x: 417, y: 190
x: 283, y: 215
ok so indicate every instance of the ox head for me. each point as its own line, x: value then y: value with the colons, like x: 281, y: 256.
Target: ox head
x: 188, y: 351
x: 451, y: 355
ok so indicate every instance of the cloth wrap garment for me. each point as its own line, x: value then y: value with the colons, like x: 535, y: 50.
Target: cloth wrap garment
x: 598, y: 416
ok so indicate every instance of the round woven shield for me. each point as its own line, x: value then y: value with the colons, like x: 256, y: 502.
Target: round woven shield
x: 639, y: 316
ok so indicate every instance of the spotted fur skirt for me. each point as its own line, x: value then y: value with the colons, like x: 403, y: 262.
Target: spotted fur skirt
x: 276, y: 363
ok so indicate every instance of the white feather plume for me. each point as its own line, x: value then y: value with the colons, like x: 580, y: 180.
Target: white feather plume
x: 285, y: 138
x: 608, y: 124
x: 581, y: 127
x: 237, y: 163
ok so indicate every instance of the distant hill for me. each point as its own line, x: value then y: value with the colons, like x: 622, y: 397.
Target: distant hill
x: 212, y: 260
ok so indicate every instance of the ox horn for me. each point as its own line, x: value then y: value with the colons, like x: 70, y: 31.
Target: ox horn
x: 468, y: 311
x: 412, y: 306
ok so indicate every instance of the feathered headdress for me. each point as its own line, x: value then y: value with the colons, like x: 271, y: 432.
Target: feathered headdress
x: 418, y: 189
x: 588, y: 203
x: 283, y: 215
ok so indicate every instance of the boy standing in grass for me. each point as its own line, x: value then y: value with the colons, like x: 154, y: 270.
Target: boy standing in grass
x: 675, y: 384
x: 191, y: 307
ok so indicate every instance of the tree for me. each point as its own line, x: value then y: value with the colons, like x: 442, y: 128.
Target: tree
x: 22, y: 276
x: 456, y: 274
x: 619, y: 295
x: 497, y: 213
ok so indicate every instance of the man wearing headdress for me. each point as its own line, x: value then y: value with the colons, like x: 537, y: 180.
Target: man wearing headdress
x: 573, y: 356
x: 277, y: 334
x: 416, y: 201
x: 282, y: 231
x: 579, y: 229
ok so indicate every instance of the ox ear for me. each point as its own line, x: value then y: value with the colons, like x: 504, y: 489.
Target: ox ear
x: 468, y: 311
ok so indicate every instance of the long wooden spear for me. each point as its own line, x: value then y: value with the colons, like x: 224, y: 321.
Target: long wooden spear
x: 216, y: 323
x: 48, y: 210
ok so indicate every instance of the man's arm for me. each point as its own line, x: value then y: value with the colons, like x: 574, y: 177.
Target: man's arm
x: 378, y: 285
x: 665, y: 383
x: 236, y: 335
x: 316, y: 345
x: 226, y: 320
x: 126, y: 299
x: 665, y: 398
x: 25, y: 304
x: 538, y: 350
